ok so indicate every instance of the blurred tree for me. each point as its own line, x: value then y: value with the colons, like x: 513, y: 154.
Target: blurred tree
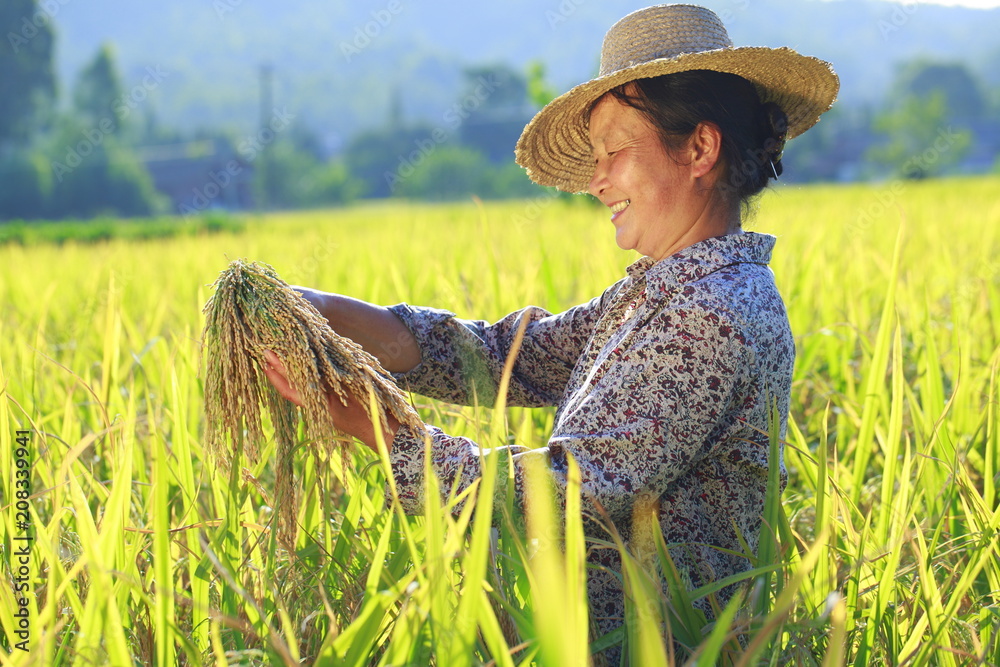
x: 509, y: 180
x: 540, y: 92
x: 396, y: 108
x: 329, y: 183
x: 470, y: 151
x: 492, y: 110
x: 833, y: 150
x: 27, y: 77
x: 377, y: 157
x: 300, y: 179
x: 960, y: 89
x: 496, y: 88
x: 928, y: 121
x: 448, y: 173
x: 26, y: 185
x: 93, y: 174
x: 458, y: 172
x: 97, y: 87
x: 922, y: 140
x: 90, y: 170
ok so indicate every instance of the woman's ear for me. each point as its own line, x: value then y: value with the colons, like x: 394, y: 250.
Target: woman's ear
x: 705, y: 145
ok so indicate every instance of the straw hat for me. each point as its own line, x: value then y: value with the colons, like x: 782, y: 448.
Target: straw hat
x: 555, y: 148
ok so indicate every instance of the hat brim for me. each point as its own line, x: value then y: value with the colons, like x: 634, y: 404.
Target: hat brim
x: 554, y: 147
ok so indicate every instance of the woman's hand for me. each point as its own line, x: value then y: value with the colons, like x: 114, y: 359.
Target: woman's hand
x: 352, y: 418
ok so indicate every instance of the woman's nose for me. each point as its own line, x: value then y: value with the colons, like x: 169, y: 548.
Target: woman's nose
x: 599, y: 181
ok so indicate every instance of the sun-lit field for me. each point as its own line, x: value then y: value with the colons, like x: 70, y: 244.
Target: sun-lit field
x: 131, y: 546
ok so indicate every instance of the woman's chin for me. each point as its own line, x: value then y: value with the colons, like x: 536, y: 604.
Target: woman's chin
x: 624, y: 241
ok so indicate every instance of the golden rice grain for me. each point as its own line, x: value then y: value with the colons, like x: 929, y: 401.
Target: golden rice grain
x: 252, y: 311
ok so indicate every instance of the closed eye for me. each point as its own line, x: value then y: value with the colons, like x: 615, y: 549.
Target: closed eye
x: 608, y: 154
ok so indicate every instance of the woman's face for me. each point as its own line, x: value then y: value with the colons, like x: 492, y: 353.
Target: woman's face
x: 657, y: 204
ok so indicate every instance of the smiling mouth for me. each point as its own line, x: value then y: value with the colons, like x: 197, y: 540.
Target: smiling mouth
x: 616, y: 209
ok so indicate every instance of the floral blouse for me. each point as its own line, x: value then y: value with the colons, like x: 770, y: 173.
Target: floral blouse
x: 662, y: 385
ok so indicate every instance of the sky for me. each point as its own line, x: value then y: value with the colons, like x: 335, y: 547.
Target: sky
x: 978, y: 4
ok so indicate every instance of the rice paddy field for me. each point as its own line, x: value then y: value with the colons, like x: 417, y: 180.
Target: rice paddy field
x: 124, y: 543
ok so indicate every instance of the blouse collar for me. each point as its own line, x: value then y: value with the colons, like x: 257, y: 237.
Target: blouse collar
x: 700, y: 259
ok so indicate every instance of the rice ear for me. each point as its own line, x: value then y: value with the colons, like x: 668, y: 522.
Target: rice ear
x: 252, y: 310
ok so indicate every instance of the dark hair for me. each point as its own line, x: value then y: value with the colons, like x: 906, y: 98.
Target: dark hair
x: 753, y: 133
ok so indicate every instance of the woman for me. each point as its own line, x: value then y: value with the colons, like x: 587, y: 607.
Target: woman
x: 663, y: 383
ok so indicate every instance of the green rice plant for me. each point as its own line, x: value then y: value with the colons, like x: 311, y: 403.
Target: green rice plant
x: 880, y: 550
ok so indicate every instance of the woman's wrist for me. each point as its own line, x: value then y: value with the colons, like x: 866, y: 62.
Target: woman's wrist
x: 388, y: 435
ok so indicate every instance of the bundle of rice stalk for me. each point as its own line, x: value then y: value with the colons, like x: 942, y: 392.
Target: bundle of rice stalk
x: 251, y: 311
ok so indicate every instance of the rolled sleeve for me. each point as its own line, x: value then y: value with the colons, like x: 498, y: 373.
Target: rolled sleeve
x: 456, y: 461
x: 462, y: 361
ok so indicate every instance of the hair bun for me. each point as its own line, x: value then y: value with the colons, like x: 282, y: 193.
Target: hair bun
x: 777, y: 133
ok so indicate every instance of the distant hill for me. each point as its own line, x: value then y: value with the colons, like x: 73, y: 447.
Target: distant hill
x: 336, y: 79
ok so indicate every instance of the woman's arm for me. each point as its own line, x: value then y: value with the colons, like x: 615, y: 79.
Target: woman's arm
x: 375, y: 328
x: 462, y: 360
x: 438, y: 355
